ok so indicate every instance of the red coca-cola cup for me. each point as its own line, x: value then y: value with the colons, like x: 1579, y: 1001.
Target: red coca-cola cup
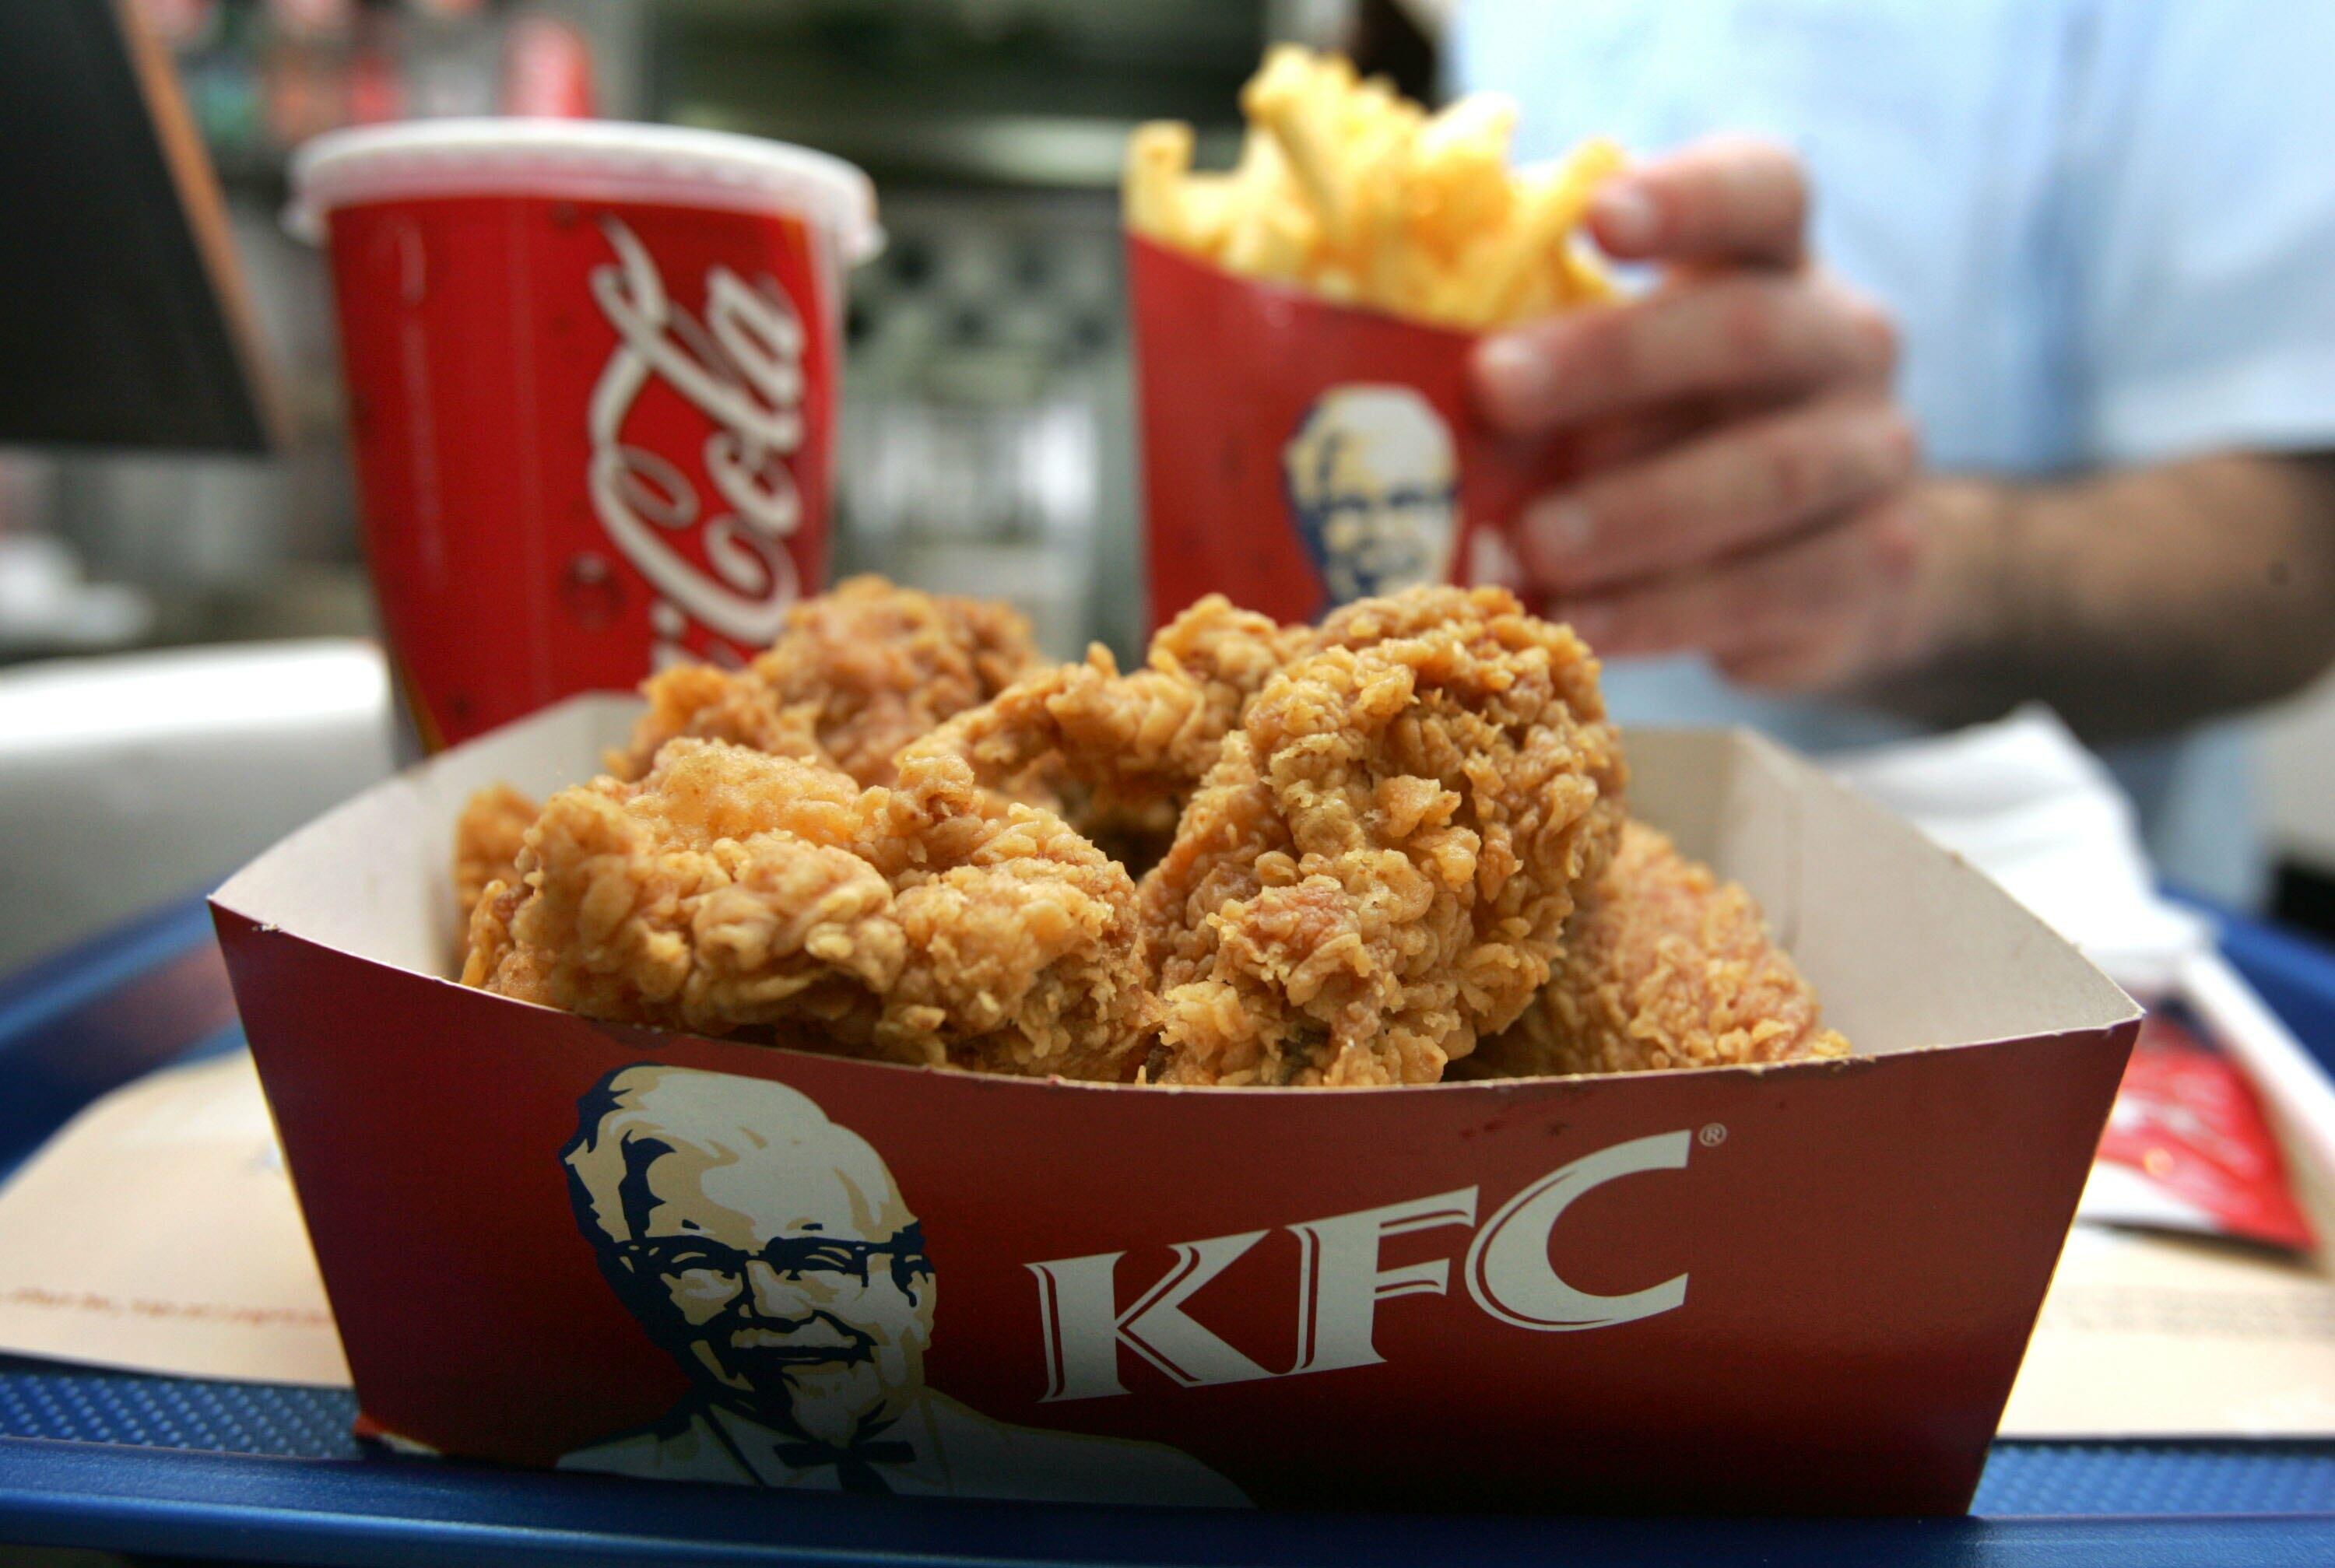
x: 592, y: 374
x: 1298, y: 453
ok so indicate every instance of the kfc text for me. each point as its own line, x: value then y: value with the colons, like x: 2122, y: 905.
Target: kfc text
x: 1507, y: 1271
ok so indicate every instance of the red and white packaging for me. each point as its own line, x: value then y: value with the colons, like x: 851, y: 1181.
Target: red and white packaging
x: 592, y: 377
x: 2189, y: 1146
x: 1802, y: 1288
x: 1298, y: 453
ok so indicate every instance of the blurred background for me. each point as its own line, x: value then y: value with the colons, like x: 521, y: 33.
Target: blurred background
x: 985, y: 445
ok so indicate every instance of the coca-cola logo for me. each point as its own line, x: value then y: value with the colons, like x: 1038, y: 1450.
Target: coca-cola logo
x: 743, y: 368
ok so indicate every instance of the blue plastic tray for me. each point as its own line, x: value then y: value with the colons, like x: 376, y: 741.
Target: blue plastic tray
x: 130, y: 1462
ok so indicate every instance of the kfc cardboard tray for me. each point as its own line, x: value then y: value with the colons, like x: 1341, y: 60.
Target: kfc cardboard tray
x: 1798, y: 1288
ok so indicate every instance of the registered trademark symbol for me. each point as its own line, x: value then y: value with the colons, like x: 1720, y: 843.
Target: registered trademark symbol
x: 1712, y: 1136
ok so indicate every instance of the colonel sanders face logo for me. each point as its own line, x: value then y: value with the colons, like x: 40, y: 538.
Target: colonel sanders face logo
x: 1373, y: 481
x: 765, y: 1248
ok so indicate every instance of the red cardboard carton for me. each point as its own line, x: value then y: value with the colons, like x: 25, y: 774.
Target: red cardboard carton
x: 1300, y: 453
x: 551, y: 1241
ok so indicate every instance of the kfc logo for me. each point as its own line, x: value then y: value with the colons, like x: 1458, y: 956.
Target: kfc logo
x: 770, y: 1253
x: 1373, y: 483
x: 742, y: 367
x: 1342, y: 1284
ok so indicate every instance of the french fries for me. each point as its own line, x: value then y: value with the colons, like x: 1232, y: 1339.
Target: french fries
x: 1348, y: 189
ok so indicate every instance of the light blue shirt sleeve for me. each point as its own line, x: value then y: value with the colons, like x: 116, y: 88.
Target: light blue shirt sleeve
x: 2106, y: 228
x: 2204, y: 163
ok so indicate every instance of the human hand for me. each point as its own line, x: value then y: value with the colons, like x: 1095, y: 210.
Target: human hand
x: 1740, y: 473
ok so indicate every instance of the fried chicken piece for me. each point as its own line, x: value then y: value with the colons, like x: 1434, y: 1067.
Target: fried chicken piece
x: 1366, y: 623
x: 486, y: 837
x: 858, y: 673
x: 1665, y: 966
x: 1379, y: 867
x: 1237, y: 651
x: 493, y: 960
x: 730, y: 890
x: 1233, y: 652
x: 1124, y: 750
x: 1130, y: 739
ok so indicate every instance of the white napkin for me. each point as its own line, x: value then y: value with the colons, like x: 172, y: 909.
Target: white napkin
x: 2023, y: 801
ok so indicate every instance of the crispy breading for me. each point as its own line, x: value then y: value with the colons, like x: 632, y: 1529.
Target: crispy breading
x: 486, y: 837
x: 492, y: 959
x: 1399, y: 854
x: 729, y: 890
x: 1127, y: 738
x: 1414, y: 612
x: 1232, y: 650
x: 1663, y: 966
x: 1380, y: 865
x: 858, y: 673
x: 1123, y: 751
x: 1143, y: 736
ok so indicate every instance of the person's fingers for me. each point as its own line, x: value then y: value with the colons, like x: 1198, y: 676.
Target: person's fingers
x: 1746, y: 333
x: 1626, y: 438
x: 1731, y: 198
x: 1813, y: 614
x: 1867, y: 630
x: 1622, y: 439
x: 1717, y: 494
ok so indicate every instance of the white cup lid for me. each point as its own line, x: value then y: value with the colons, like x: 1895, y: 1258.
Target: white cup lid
x: 582, y: 159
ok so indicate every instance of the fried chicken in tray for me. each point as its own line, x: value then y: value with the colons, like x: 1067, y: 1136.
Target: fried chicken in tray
x: 1380, y: 864
x: 1665, y: 965
x: 1390, y: 849
x: 486, y: 840
x: 926, y: 921
x: 858, y: 673
x: 1124, y: 752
